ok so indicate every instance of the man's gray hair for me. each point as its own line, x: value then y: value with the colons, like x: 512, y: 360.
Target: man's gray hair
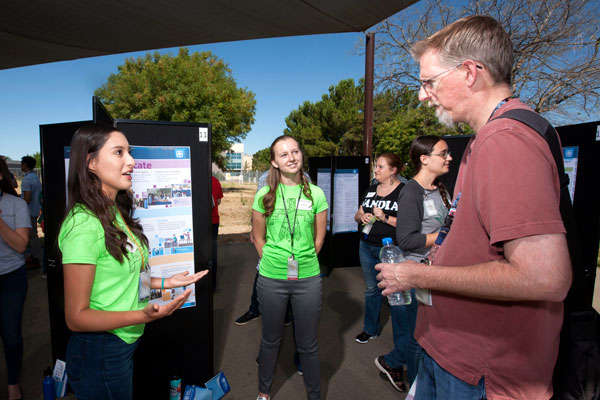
x: 479, y: 38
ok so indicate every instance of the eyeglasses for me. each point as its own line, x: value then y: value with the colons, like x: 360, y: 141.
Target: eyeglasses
x: 443, y: 154
x: 427, y: 84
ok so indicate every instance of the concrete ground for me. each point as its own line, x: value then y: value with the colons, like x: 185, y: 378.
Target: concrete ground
x: 347, y: 369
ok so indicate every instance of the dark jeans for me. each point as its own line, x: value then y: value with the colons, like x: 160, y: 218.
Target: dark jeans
x: 403, y: 326
x: 254, y: 309
x: 100, y: 366
x: 273, y: 297
x: 215, y: 236
x: 13, y: 288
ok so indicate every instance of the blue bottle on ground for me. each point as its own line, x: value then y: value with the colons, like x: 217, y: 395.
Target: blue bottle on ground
x: 392, y: 254
x: 48, y: 385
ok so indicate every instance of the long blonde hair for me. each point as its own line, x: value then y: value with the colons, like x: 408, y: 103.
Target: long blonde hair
x: 274, y: 178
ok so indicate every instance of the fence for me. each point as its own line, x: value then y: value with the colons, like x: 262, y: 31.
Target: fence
x: 239, y: 177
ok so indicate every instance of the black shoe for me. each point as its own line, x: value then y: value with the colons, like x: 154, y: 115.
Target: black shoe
x: 364, y: 337
x: 395, y: 376
x: 247, y: 317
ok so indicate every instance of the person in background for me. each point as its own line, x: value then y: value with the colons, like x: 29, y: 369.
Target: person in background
x: 13, y: 181
x: 217, y: 195
x: 378, y: 210
x: 14, y: 234
x: 501, y: 273
x: 105, y: 266
x: 288, y: 221
x: 30, y: 192
x: 423, y: 204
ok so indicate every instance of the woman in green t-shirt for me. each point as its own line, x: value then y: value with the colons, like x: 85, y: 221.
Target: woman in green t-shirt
x: 288, y: 224
x: 105, y: 258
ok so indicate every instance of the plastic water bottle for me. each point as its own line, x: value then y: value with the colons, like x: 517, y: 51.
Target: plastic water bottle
x: 367, y: 228
x: 392, y: 254
x: 48, y: 384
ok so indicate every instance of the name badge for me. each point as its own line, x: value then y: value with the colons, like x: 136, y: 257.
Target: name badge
x: 429, y: 207
x: 292, y: 269
x: 305, y: 205
x: 144, y: 287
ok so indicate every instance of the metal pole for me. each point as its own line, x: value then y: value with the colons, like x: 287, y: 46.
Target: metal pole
x: 368, y: 111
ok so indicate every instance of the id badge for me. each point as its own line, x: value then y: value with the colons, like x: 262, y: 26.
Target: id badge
x: 144, y: 287
x: 292, y: 269
x: 429, y: 208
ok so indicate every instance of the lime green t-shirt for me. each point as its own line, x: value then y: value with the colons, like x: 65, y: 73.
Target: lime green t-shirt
x: 81, y: 241
x: 278, y: 247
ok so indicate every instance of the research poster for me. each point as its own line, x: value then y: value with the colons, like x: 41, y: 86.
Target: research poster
x: 324, y: 182
x: 570, y: 159
x: 345, y: 199
x: 162, y: 191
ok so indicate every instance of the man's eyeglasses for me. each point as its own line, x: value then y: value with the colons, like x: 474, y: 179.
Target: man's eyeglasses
x: 443, y: 154
x: 427, y: 84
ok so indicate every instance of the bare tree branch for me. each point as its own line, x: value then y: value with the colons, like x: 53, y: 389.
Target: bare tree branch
x: 557, y: 50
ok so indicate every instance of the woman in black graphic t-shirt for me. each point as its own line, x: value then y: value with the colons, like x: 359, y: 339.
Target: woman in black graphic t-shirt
x: 379, y: 206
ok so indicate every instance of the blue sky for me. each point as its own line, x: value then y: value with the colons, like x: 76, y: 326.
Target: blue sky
x: 282, y: 72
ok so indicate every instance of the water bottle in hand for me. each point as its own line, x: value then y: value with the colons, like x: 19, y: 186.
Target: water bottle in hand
x: 392, y: 254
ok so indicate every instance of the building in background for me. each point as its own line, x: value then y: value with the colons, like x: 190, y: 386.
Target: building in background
x: 237, y: 163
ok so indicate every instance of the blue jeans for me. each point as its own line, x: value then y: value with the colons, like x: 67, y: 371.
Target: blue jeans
x: 305, y: 296
x: 100, y: 366
x: 406, y: 349
x: 369, y: 256
x: 13, y: 288
x: 435, y: 383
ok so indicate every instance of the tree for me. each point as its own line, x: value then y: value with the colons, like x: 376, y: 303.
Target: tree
x: 331, y: 126
x: 186, y: 88
x: 557, y: 65
x: 261, y: 160
x: 335, y: 124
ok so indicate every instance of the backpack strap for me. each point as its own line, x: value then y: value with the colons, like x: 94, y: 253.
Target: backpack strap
x: 579, y: 296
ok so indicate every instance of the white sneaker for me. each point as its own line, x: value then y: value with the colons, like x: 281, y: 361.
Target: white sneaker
x: 262, y: 398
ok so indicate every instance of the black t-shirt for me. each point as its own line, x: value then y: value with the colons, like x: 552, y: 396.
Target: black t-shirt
x: 389, y: 205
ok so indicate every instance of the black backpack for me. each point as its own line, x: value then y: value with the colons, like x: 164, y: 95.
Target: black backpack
x: 577, y: 370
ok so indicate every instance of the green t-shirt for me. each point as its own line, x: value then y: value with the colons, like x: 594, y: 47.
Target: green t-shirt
x: 277, y: 249
x: 81, y: 241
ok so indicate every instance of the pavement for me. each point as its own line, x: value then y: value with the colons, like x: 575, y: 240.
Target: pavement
x: 347, y: 368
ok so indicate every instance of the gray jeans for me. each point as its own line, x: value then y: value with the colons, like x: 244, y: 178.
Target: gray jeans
x: 273, y: 296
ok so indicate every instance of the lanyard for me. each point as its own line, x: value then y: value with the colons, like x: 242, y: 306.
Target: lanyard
x: 502, y: 102
x: 132, y: 237
x: 288, y: 218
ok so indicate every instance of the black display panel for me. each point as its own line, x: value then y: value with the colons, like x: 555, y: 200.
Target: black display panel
x: 341, y: 249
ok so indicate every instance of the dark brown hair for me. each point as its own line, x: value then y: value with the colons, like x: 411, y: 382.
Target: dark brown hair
x: 6, y: 182
x: 423, y: 146
x: 274, y: 178
x: 84, y: 187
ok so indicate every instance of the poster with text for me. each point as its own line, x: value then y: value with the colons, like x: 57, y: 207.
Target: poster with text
x: 570, y: 159
x: 345, y: 200
x: 162, y: 192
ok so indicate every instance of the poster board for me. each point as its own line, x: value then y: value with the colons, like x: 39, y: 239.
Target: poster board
x: 343, y: 180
